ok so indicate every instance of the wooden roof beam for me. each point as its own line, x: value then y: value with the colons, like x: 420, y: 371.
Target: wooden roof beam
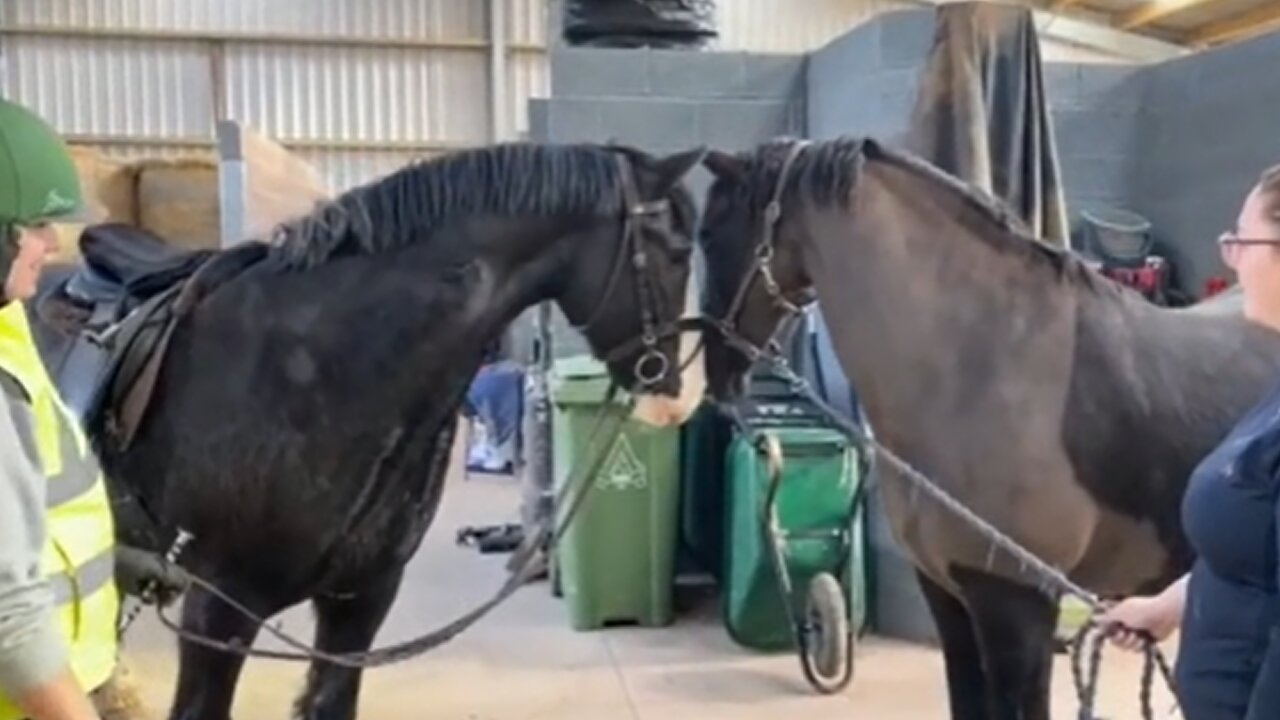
x: 1154, y: 10
x: 1254, y: 21
x: 1100, y: 36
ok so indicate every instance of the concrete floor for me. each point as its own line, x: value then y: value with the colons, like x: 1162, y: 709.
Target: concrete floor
x: 523, y: 662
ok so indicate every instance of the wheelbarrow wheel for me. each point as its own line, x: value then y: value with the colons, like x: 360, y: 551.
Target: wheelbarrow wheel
x: 826, y: 644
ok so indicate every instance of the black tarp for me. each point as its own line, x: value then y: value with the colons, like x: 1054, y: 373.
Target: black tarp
x: 981, y: 113
x: 639, y: 23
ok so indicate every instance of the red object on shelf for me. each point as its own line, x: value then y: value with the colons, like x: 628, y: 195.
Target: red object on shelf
x: 1149, y: 279
x: 1215, y: 285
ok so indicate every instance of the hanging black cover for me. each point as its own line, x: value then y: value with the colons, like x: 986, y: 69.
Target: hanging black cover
x: 639, y: 23
x: 982, y: 113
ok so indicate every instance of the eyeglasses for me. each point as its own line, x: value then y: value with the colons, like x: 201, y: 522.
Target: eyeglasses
x: 1230, y: 238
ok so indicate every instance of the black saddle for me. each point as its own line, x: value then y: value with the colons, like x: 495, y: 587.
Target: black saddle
x: 126, y: 262
x: 136, y: 291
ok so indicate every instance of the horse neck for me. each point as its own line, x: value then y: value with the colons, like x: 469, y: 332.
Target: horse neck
x: 532, y: 261
x: 926, y: 316
x: 437, y: 303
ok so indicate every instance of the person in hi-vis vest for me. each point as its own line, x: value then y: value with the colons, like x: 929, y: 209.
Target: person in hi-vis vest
x: 61, y: 570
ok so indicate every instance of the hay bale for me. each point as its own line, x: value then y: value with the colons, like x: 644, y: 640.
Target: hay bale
x: 68, y: 242
x: 279, y: 184
x: 118, y: 192
x: 178, y: 200
x: 108, y: 185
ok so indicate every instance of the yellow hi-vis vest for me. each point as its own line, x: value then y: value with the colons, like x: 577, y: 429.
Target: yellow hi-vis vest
x: 79, y: 545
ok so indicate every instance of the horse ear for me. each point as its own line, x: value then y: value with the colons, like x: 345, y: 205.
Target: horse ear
x: 725, y: 166
x: 673, y: 167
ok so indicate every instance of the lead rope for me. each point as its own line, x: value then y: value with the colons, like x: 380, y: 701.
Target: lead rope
x: 1052, y: 581
x: 525, y: 560
x: 1092, y: 636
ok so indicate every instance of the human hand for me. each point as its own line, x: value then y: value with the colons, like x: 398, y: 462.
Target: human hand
x: 1127, y: 620
x: 146, y: 575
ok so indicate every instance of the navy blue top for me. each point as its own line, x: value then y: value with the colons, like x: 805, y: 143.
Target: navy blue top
x: 1229, y: 653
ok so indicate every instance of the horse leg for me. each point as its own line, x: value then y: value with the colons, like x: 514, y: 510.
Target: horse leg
x: 207, y: 677
x: 1014, y: 625
x: 966, y: 684
x: 344, y: 624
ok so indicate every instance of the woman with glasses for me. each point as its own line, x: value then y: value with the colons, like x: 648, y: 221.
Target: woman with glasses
x: 1228, y: 606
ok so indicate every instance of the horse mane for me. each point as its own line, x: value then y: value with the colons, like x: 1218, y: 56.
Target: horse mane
x: 826, y: 174
x: 505, y: 179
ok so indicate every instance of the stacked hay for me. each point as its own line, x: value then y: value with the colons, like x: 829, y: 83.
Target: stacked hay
x: 108, y: 185
x: 280, y: 185
x: 177, y: 199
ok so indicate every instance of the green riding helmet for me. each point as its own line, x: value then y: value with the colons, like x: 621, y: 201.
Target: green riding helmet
x: 38, y: 180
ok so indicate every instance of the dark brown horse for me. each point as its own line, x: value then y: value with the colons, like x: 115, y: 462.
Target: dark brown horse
x: 1061, y: 407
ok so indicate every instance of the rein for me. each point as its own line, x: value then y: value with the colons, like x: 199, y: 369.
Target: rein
x: 525, y: 560
x: 1050, y: 580
x: 525, y: 563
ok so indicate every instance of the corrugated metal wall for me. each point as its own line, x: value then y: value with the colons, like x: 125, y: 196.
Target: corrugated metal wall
x: 357, y: 87
x: 754, y: 25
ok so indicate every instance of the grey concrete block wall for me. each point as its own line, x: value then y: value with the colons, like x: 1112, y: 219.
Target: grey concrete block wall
x: 668, y: 100
x: 1097, y: 114
x: 664, y: 101
x: 864, y: 82
x: 1210, y: 132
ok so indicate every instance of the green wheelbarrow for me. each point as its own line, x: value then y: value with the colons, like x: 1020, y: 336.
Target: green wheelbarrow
x: 794, y: 558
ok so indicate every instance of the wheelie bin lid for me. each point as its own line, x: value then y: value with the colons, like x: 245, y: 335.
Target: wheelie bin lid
x: 580, y: 380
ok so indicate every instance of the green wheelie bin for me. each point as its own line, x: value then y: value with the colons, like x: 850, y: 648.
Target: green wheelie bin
x: 616, y: 560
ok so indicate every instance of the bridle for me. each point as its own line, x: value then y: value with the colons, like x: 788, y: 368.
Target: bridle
x: 640, y: 215
x: 727, y: 325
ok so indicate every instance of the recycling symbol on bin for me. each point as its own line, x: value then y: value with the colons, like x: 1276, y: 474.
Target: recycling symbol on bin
x: 622, y: 469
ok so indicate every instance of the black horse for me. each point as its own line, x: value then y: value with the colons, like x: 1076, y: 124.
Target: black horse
x: 302, y: 420
x: 1062, y: 408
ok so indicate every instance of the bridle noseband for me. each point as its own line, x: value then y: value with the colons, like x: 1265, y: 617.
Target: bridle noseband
x: 728, y: 324
x: 639, y: 214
